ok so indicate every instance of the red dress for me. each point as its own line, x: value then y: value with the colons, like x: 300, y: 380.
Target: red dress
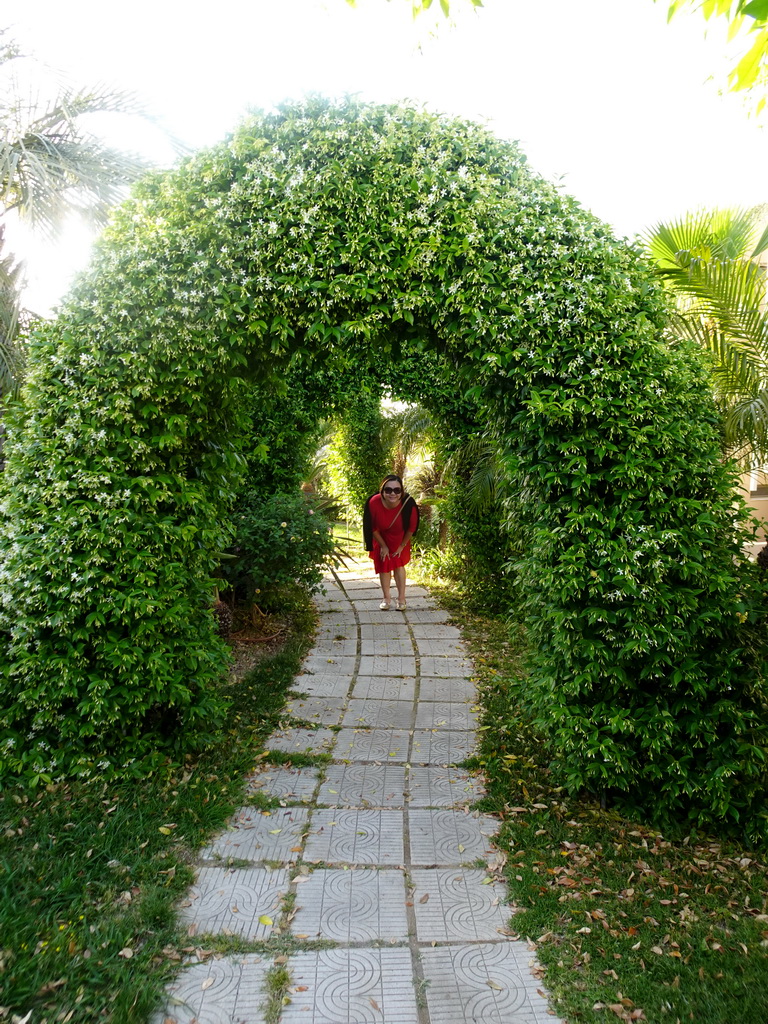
x: 389, y: 524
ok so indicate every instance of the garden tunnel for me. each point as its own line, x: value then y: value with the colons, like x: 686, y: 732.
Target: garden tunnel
x: 334, y: 238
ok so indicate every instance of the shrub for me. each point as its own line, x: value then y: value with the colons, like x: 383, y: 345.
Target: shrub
x: 279, y: 539
x: 116, y: 494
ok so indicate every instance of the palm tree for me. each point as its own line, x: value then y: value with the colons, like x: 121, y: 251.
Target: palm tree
x: 710, y: 261
x: 11, y: 324
x: 51, y: 164
x: 405, y: 431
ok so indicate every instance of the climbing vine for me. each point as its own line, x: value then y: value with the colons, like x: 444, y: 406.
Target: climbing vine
x: 328, y: 232
x: 357, y: 460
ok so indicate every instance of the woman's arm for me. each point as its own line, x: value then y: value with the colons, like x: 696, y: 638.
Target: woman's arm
x: 382, y: 544
x: 406, y: 538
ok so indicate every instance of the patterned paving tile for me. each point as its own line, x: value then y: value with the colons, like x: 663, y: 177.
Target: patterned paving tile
x: 431, y: 666
x: 294, y: 785
x: 357, y: 581
x: 419, y: 601
x: 356, y: 837
x: 434, y: 631
x: 384, y: 688
x: 491, y: 983
x: 256, y: 837
x: 386, y: 647
x: 218, y: 992
x: 360, y: 905
x: 328, y: 647
x: 432, y: 688
x: 442, y: 838
x: 395, y: 629
x: 352, y: 986
x: 323, y: 685
x: 336, y: 602
x: 331, y: 631
x: 442, y: 747
x: 340, y: 618
x: 324, y: 710
x: 445, y: 715
x: 387, y: 745
x: 423, y: 615
x: 231, y: 901
x: 317, y: 665
x: 378, y: 713
x: 394, y: 666
x: 371, y: 615
x: 363, y: 785
x: 458, y: 904
x: 365, y: 598
x: 438, y: 648
x: 443, y: 786
x: 302, y: 741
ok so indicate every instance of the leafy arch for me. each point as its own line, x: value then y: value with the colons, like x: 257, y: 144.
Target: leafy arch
x: 316, y: 237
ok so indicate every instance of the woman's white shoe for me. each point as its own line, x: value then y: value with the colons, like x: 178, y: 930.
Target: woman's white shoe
x: 384, y: 606
x: 400, y: 606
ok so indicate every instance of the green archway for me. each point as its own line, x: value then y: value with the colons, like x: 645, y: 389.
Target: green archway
x: 317, y: 236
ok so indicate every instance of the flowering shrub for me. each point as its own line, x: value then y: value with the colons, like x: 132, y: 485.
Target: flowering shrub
x: 314, y: 237
x: 279, y: 538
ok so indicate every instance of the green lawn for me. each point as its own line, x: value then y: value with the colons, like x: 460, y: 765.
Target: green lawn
x: 349, y: 538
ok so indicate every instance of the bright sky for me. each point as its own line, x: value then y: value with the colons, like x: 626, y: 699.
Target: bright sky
x: 603, y: 95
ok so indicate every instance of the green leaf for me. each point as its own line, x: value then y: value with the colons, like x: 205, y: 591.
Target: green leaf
x: 757, y: 9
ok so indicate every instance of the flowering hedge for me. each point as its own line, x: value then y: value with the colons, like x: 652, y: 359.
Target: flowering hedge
x: 322, y: 232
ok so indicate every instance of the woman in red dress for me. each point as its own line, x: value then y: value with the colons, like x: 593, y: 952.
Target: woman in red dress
x: 390, y: 519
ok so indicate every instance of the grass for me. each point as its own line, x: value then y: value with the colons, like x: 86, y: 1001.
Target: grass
x: 628, y: 924
x: 89, y: 875
x: 349, y: 540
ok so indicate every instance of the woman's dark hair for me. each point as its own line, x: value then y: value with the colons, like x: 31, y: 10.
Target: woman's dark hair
x: 392, y: 476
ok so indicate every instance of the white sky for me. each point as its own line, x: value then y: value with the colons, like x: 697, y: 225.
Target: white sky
x: 603, y: 95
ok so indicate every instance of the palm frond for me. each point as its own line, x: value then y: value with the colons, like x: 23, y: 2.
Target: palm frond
x: 53, y: 155
x: 52, y: 163
x: 479, y: 461
x: 746, y: 430
x: 708, y: 260
x: 702, y: 236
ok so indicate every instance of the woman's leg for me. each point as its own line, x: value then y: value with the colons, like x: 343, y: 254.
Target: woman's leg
x: 400, y: 583
x: 384, y: 580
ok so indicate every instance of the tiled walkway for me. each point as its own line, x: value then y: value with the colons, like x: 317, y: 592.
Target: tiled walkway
x: 378, y: 867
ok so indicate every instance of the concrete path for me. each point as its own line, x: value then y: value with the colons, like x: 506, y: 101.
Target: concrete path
x: 377, y: 867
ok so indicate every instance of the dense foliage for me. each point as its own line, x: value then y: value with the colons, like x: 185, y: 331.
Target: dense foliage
x: 356, y: 458
x: 279, y: 539
x: 324, y: 230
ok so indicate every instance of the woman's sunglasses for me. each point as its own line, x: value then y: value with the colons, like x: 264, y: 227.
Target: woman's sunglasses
x: 392, y: 490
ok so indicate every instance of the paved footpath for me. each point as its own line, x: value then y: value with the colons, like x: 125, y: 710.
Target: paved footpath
x: 380, y: 855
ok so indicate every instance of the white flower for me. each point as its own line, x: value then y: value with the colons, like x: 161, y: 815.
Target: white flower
x: 283, y: 525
